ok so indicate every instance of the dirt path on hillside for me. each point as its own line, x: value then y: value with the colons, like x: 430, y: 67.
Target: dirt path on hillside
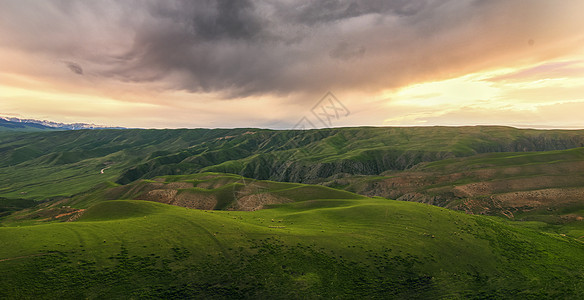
x: 20, y: 257
x: 102, y: 170
x: 222, y: 247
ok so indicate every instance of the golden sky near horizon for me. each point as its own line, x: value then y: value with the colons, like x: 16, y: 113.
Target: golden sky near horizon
x: 268, y: 63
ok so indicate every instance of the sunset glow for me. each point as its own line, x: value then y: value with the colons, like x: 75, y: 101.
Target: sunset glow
x: 398, y: 63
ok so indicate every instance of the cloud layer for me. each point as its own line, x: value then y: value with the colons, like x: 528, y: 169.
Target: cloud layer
x: 290, y: 49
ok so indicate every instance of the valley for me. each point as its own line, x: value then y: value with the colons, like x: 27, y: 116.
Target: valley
x: 479, y: 212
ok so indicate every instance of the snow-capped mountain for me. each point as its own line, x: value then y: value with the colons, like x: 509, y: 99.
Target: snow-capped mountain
x: 17, y: 123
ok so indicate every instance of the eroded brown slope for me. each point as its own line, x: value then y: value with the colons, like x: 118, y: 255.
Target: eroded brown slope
x: 503, y: 185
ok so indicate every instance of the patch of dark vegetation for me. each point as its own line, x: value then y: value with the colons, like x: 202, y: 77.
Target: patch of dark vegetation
x: 268, y: 269
x: 8, y: 206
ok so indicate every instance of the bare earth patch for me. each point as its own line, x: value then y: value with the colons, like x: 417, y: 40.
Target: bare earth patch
x: 257, y: 201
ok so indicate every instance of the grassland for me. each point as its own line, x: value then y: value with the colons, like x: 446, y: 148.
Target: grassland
x: 74, y: 222
x: 309, y: 249
x: 40, y: 165
x: 533, y: 186
x: 209, y: 191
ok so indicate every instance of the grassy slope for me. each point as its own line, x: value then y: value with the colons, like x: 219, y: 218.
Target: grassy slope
x: 40, y: 165
x: 228, y: 189
x: 491, y: 167
x: 326, y: 248
x: 313, y: 247
x: 360, y: 150
x: 504, y: 160
x: 519, y: 175
x: 45, y: 164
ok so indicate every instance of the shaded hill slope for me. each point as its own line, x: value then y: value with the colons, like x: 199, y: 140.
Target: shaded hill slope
x: 41, y: 165
x: 48, y: 164
x: 526, y: 186
x: 309, y: 156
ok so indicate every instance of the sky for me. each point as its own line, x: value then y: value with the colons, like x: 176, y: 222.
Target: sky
x: 294, y: 64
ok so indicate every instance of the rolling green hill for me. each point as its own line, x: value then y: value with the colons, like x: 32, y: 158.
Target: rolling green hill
x: 85, y: 214
x: 50, y: 164
x: 544, y: 185
x: 209, y: 191
x: 373, y: 248
x: 310, y: 156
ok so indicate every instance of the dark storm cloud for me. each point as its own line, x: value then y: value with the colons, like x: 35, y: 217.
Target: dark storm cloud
x: 334, y: 10
x: 75, y: 68
x: 245, y: 47
x: 231, y: 20
x: 346, y: 51
x: 211, y: 20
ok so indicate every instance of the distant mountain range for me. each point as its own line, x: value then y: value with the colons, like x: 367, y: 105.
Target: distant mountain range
x: 17, y: 124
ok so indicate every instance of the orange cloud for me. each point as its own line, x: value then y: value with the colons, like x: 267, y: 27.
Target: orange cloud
x: 261, y: 63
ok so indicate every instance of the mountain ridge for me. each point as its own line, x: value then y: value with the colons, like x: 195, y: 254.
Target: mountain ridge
x: 311, y: 156
x: 18, y: 123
